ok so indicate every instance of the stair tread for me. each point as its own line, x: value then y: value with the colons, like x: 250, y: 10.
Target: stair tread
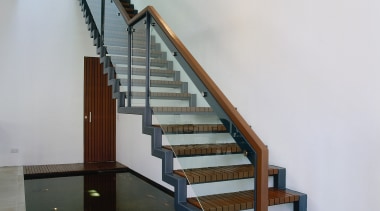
x: 137, y: 43
x: 181, y: 109
x: 123, y: 51
x: 242, y: 200
x: 152, y: 71
x: 204, y: 149
x: 192, y: 128
x: 128, y: 7
x: 122, y: 59
x: 161, y: 94
x: 155, y: 83
x: 220, y: 173
x: 142, y: 71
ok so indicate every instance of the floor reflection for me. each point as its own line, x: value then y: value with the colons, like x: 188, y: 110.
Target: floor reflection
x: 105, y: 192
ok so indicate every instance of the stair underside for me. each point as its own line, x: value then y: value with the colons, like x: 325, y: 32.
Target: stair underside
x: 221, y: 173
x: 242, y: 200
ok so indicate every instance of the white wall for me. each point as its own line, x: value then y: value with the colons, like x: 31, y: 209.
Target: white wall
x: 41, y: 81
x: 133, y: 148
x: 306, y: 75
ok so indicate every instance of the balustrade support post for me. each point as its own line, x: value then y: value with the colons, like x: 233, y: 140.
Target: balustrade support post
x: 129, y: 92
x: 147, y: 65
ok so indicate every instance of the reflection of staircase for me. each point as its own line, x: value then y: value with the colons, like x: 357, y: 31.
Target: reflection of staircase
x: 203, y: 155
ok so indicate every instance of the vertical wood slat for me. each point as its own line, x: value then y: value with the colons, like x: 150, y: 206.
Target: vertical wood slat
x: 96, y: 142
x: 100, y: 134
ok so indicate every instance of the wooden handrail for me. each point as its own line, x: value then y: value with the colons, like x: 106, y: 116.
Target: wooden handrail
x: 260, y: 148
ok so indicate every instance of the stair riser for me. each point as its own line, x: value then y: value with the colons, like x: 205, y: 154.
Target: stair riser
x: 169, y: 75
x: 156, y: 102
x: 120, y: 32
x: 138, y: 61
x: 114, y: 23
x: 120, y: 35
x: 186, y: 119
x: 153, y: 89
x: 210, y: 161
x: 140, y: 82
x: 205, y: 138
x: 155, y: 85
x: 125, y: 77
x: 135, y: 53
x: 223, y: 187
x: 124, y: 43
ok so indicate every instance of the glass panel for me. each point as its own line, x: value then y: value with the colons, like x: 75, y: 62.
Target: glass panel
x: 205, y: 151
x: 115, y: 30
x: 95, y: 7
x: 139, y: 70
x: 116, y: 43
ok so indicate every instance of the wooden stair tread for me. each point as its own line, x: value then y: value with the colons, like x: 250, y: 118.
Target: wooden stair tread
x: 129, y: 8
x: 142, y: 71
x: 242, y: 200
x: 154, y: 83
x: 191, y: 128
x: 162, y: 95
x: 152, y: 71
x: 181, y: 109
x: 220, y: 173
x: 136, y: 52
x: 123, y: 60
x: 204, y: 149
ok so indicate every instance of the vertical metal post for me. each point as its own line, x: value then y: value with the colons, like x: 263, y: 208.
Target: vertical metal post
x: 129, y: 93
x: 147, y: 82
x: 255, y: 189
x: 147, y: 62
x: 102, y: 23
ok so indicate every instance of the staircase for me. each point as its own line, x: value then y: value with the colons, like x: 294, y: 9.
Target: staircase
x: 209, y: 154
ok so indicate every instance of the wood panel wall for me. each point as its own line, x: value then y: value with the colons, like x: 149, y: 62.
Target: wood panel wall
x: 100, y: 133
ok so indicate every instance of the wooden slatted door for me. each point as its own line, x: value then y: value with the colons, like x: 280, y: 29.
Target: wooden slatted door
x: 99, y: 114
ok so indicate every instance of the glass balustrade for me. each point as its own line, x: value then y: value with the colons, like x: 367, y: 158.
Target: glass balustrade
x: 115, y: 34
x: 138, y: 84
x: 194, y: 128
x: 116, y: 44
x: 96, y: 8
x: 205, y: 143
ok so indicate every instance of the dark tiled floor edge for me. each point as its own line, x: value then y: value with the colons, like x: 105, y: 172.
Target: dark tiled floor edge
x: 74, y: 169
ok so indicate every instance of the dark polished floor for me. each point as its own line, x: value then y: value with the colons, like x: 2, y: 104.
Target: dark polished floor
x: 96, y: 192
x: 91, y: 187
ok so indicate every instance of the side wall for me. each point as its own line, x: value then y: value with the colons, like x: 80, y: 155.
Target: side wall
x: 312, y: 72
x: 41, y: 81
